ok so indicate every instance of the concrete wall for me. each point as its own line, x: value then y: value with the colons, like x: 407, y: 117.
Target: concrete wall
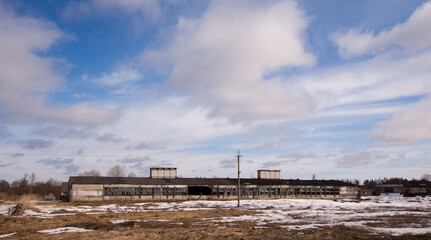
x: 95, y: 192
x: 87, y: 192
x: 349, y: 192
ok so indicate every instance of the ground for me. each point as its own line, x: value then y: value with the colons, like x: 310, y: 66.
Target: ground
x: 367, y: 218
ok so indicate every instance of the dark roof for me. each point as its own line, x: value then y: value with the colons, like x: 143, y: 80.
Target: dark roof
x: 164, y: 168
x: 203, y: 181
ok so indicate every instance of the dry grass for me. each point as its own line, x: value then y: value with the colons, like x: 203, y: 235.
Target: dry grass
x: 25, y: 202
x: 61, y: 211
x: 6, y: 197
x: 402, y: 221
x: 197, y: 224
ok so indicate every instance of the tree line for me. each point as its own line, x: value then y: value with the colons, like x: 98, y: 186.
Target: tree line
x: 29, y: 185
x: 425, y: 180
x: 52, y: 188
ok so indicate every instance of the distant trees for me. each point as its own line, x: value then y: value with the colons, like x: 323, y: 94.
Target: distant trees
x: 90, y: 173
x: 352, y: 181
x: 371, y: 183
x: 4, y: 186
x: 28, y: 184
x: 20, y: 186
x: 426, y: 177
x: 117, y: 171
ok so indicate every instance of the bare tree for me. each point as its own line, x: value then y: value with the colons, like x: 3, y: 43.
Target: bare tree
x: 117, y: 171
x: 131, y: 174
x: 426, y: 176
x: 32, y: 181
x: 92, y: 172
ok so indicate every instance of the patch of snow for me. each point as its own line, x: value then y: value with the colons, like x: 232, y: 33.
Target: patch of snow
x: 4, y: 209
x: 401, y: 231
x: 391, y: 195
x: 122, y: 221
x: 7, y: 235
x: 64, y: 230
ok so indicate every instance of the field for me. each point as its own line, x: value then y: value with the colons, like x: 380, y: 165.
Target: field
x: 368, y: 218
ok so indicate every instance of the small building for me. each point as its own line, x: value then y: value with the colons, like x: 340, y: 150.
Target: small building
x: 164, y: 185
x: 390, y: 188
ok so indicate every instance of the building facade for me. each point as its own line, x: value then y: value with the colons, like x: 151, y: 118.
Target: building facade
x: 163, y: 186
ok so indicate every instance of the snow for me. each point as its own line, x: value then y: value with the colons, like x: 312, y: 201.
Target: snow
x: 391, y: 195
x: 401, y: 231
x: 118, y: 221
x: 64, y: 230
x: 294, y: 214
x: 302, y: 214
x: 4, y: 209
x: 7, y: 235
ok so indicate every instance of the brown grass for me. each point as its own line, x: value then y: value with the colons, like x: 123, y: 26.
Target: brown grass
x: 402, y: 221
x: 6, y: 197
x: 24, y: 203
x: 60, y: 211
x: 197, y: 224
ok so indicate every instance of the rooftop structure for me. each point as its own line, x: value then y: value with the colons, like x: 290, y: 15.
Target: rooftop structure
x: 268, y: 174
x: 163, y: 172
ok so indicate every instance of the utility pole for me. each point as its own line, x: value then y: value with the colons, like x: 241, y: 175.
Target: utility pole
x: 239, y: 181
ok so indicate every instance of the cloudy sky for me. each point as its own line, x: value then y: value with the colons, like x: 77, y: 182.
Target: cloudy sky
x: 340, y: 89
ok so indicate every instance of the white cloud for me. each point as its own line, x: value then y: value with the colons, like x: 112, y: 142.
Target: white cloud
x: 409, y: 125
x: 355, y: 160
x: 359, y: 87
x: 221, y: 59
x: 120, y: 77
x: 387, y: 76
x: 26, y: 77
x: 393, y: 78
x: 170, y: 123
x: 412, y: 35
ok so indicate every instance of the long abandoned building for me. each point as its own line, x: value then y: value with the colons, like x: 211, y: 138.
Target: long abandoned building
x: 163, y: 184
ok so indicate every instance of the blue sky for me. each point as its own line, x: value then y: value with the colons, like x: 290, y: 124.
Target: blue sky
x: 339, y: 89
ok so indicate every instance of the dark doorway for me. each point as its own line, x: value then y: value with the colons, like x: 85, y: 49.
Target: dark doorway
x: 199, y: 190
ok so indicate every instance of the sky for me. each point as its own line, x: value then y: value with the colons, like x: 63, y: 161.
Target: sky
x: 332, y: 88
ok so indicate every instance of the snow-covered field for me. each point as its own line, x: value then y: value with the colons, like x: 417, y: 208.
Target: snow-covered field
x: 385, y: 214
